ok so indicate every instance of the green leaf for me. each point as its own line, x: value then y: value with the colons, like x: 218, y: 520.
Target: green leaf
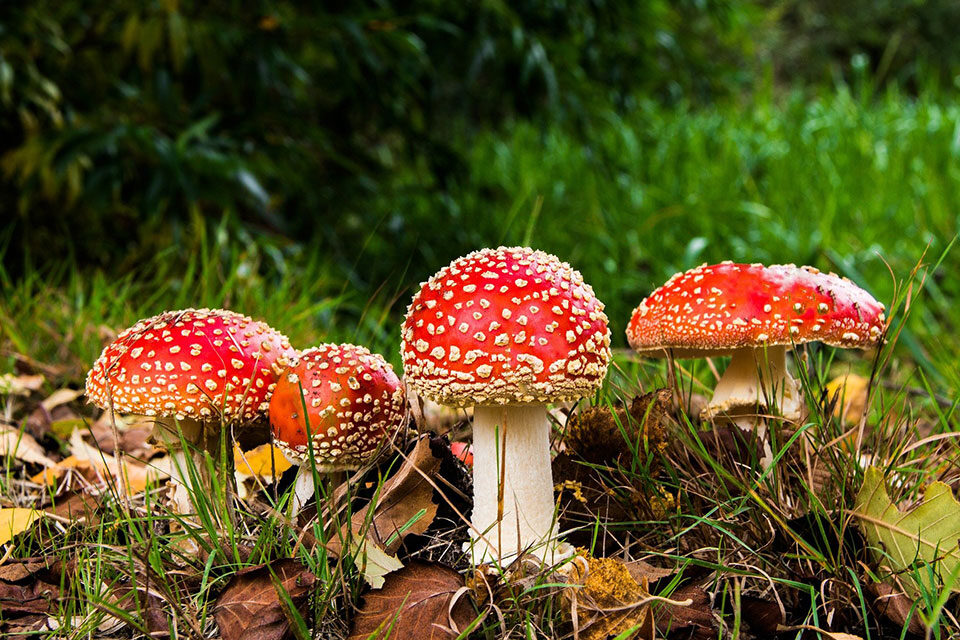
x: 921, y: 544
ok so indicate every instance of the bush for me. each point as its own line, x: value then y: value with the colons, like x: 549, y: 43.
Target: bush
x: 120, y: 120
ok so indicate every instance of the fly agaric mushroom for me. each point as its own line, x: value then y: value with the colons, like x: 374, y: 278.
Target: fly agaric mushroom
x: 202, y: 370
x: 754, y: 314
x: 507, y: 331
x: 354, y: 404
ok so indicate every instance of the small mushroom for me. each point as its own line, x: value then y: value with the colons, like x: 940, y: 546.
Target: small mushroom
x: 354, y: 405
x: 507, y: 331
x: 197, y: 371
x: 754, y: 314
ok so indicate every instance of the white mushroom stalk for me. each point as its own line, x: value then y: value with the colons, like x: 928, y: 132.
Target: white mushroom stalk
x: 511, y: 450
x: 755, y: 379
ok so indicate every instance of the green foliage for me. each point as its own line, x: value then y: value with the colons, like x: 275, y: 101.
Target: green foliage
x: 118, y: 122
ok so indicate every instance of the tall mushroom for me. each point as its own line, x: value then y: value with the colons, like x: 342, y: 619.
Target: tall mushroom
x: 354, y: 404
x: 754, y: 314
x: 507, y: 331
x: 199, y: 372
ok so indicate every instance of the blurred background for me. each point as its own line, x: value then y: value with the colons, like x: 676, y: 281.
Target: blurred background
x: 310, y: 166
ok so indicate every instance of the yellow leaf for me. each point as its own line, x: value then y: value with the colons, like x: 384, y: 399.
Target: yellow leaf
x: 15, y: 520
x: 257, y: 462
x: 850, y: 393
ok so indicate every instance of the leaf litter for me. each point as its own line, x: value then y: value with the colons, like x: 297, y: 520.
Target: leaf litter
x: 394, y: 531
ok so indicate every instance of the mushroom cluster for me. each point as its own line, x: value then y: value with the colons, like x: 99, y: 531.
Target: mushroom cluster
x: 507, y: 331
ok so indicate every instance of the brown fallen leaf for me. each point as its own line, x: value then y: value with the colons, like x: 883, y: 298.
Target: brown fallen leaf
x: 134, y: 432
x: 405, y: 505
x: 250, y: 607
x: 422, y: 601
x: 897, y: 607
x: 32, y: 586
x: 606, y: 601
x: 640, y: 571
x: 75, y: 505
x: 694, y: 621
x: 763, y: 616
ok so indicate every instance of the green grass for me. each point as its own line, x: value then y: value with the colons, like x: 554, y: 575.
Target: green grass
x: 864, y: 187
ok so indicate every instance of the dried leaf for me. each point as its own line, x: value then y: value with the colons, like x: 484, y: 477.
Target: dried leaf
x: 849, y: 392
x: 375, y: 563
x: 11, y: 385
x: 763, y: 616
x: 30, y: 586
x: 606, y: 601
x: 96, y: 466
x: 897, y: 607
x: 829, y: 635
x: 250, y: 608
x: 23, y: 447
x: 14, y: 520
x: 405, y: 505
x: 640, y: 571
x: 59, y: 397
x: 694, y: 621
x: 924, y: 537
x: 422, y: 601
x: 75, y: 505
x: 134, y: 432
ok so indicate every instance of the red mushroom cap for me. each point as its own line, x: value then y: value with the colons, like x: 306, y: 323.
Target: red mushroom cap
x: 504, y: 326
x: 719, y: 308
x: 196, y: 363
x: 354, y: 403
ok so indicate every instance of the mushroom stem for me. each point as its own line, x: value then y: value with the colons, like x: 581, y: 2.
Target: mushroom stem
x: 207, y: 437
x: 513, y: 504
x: 755, y: 378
